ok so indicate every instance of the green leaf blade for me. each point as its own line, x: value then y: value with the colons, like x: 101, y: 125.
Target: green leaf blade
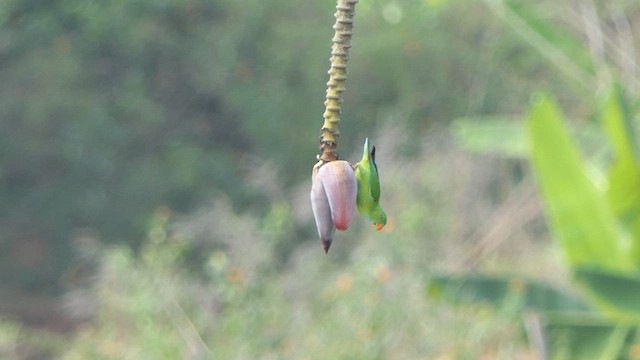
x: 617, y: 295
x: 624, y: 173
x: 619, y: 127
x: 495, y: 290
x: 578, y: 212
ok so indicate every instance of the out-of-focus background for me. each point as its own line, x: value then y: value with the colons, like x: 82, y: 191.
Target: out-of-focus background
x: 155, y: 161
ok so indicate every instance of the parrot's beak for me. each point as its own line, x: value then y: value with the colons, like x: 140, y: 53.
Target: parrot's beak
x: 379, y: 227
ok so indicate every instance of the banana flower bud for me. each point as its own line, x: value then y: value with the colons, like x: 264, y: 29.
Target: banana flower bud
x: 333, y: 198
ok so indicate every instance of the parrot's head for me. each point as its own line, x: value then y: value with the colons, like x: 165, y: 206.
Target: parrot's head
x: 379, y: 218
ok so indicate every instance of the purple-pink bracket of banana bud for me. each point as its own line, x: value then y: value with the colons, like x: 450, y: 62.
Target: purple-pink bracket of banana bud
x: 333, y: 198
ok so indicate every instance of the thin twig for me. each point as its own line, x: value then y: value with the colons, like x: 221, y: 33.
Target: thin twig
x: 618, y: 45
x: 196, y: 345
x: 546, y: 48
x: 535, y: 333
x: 627, y: 57
x: 520, y: 208
x: 595, y: 41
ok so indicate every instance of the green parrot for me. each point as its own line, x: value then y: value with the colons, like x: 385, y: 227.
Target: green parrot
x: 368, y: 196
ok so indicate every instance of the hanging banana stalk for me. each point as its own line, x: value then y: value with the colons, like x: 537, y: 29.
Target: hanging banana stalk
x: 334, y: 187
x: 329, y: 133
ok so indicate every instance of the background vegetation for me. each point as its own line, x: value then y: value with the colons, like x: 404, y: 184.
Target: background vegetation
x: 155, y: 160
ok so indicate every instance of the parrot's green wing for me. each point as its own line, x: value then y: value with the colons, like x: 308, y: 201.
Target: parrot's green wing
x: 374, y: 180
x: 368, y: 194
x: 363, y: 176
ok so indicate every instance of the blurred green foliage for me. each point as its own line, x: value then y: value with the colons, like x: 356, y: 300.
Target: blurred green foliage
x: 182, y: 130
x: 113, y: 109
x: 596, y: 227
x: 594, y: 220
x: 371, y: 306
x: 590, y: 201
x: 578, y: 211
